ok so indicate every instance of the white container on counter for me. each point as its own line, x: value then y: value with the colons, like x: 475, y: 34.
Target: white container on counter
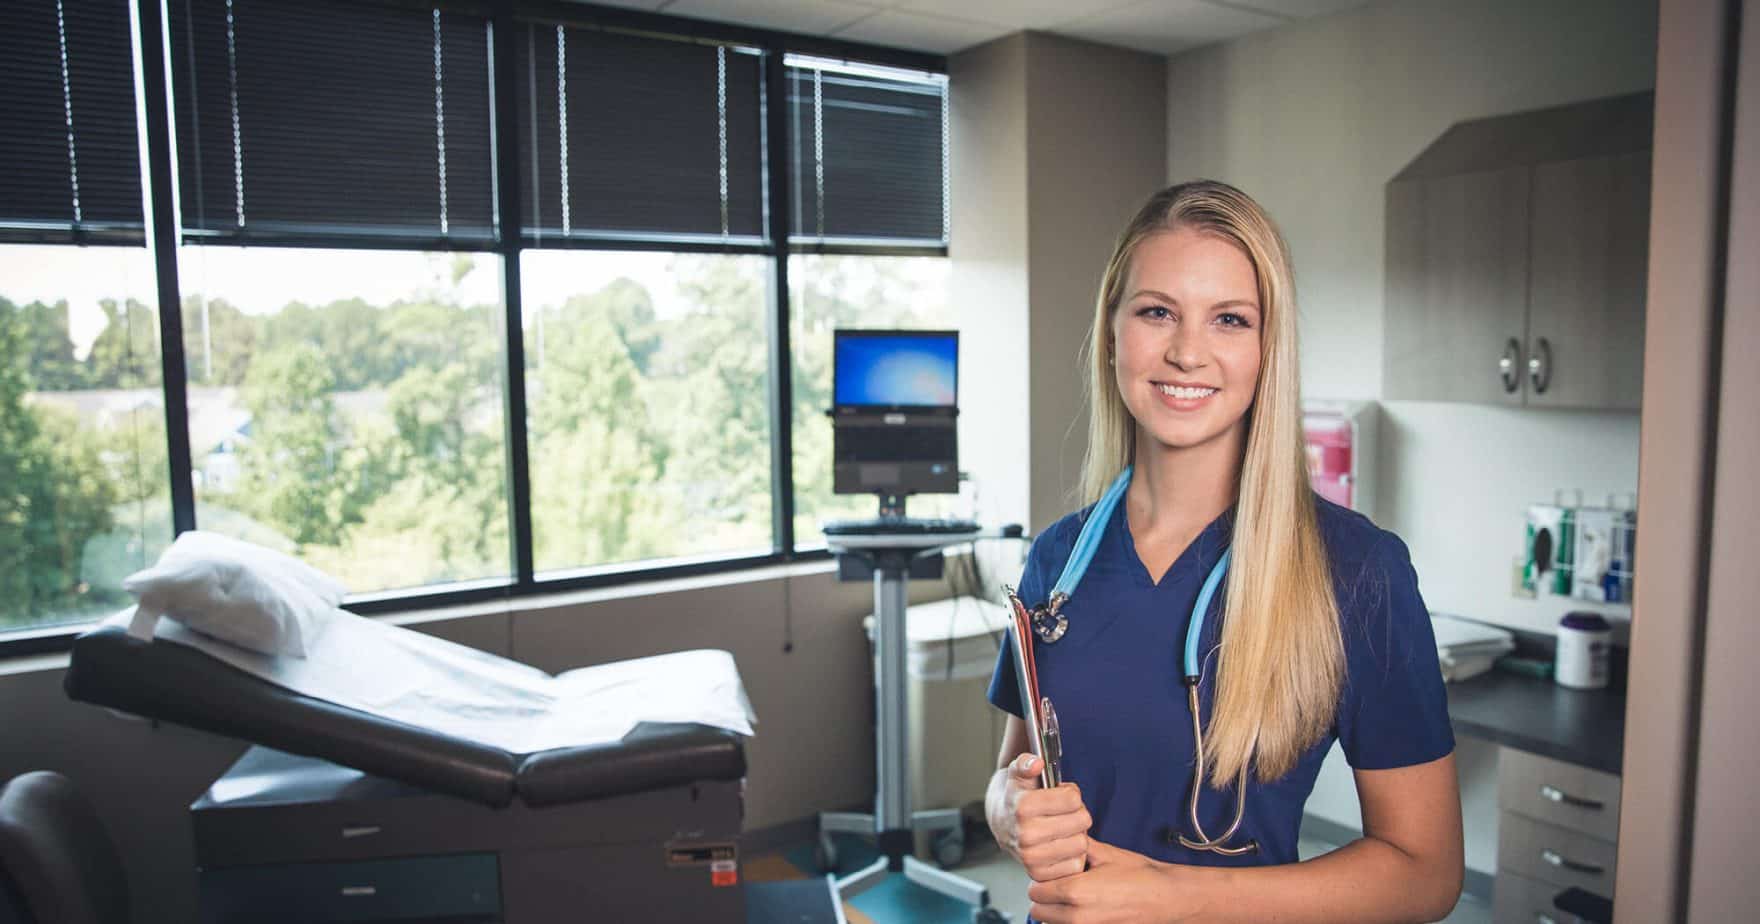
x: 1584, y: 646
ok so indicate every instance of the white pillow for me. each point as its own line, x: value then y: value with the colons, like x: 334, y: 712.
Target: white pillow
x: 250, y: 596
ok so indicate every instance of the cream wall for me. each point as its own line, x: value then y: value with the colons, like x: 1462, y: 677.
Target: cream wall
x: 1096, y: 136
x: 1312, y: 119
x: 1055, y: 143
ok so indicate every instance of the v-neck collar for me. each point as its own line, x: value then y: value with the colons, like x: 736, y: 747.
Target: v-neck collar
x: 1204, y: 547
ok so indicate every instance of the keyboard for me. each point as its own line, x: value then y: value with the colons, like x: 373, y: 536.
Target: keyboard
x: 892, y: 526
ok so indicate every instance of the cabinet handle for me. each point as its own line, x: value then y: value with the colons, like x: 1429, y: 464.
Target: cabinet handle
x: 1553, y: 794
x: 1540, y: 366
x: 366, y: 891
x: 1509, y: 366
x: 1554, y: 858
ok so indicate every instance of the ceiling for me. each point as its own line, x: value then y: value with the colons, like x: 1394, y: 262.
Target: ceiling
x: 945, y: 26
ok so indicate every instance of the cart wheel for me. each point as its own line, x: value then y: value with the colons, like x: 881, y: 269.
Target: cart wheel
x: 950, y: 848
x: 988, y: 916
x: 825, y: 854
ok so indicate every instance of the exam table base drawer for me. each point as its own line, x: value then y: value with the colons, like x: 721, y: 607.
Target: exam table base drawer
x: 425, y: 824
x: 462, y: 888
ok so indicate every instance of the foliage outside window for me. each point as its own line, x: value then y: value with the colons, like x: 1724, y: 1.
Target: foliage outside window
x: 649, y: 423
x: 84, y: 498
x: 346, y: 407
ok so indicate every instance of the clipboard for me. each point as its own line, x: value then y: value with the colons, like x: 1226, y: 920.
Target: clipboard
x: 1026, y: 673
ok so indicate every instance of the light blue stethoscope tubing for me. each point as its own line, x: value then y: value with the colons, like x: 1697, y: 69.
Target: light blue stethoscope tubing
x: 1051, y: 629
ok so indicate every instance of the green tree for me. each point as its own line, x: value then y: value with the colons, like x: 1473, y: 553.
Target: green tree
x: 716, y: 364
x: 46, y: 345
x: 290, y: 463
x: 595, y: 455
x: 55, y: 494
x: 218, y: 340
x: 126, y: 352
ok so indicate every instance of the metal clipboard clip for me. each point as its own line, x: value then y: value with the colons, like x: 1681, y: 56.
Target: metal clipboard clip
x: 1039, y: 717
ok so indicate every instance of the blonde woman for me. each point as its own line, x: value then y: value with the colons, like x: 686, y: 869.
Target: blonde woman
x: 1315, y: 632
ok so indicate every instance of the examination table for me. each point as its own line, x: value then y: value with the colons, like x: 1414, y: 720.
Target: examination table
x: 339, y: 814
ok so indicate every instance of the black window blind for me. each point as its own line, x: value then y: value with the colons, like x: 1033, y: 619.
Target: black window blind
x: 68, y: 147
x: 627, y: 135
x: 868, y: 155
x: 343, y: 119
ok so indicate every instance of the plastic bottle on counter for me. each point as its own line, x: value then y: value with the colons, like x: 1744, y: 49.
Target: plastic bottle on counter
x: 1584, y: 647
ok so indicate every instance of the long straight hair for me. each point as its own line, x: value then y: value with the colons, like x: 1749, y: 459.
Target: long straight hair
x: 1281, y: 665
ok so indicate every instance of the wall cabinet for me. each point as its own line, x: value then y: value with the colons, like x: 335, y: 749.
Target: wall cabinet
x: 1516, y: 261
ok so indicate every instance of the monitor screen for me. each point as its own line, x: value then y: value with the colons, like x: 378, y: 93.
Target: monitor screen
x: 896, y: 369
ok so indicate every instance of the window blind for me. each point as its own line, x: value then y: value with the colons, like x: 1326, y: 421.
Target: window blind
x: 68, y: 144
x: 868, y: 155
x: 635, y: 136
x: 302, y: 118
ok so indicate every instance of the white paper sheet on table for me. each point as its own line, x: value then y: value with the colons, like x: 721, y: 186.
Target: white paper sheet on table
x: 429, y: 682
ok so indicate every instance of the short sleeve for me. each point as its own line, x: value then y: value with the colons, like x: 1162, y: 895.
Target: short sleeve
x: 1033, y: 588
x: 1395, y: 708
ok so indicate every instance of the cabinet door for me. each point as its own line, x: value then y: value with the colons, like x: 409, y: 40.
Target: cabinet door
x: 1457, y: 289
x: 1591, y: 228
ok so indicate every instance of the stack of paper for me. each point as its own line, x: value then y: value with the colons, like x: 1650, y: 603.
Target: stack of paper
x: 1467, y: 649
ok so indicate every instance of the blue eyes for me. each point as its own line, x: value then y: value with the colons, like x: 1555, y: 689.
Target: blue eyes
x: 1226, y: 319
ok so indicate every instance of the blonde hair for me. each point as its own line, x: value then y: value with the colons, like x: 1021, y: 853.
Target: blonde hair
x: 1281, y: 665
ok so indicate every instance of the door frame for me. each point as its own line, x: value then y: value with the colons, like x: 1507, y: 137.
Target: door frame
x: 1677, y: 747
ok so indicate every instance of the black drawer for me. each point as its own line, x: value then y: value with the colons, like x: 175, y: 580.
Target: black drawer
x: 456, y: 889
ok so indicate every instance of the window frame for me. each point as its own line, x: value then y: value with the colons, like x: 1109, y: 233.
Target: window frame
x: 165, y: 236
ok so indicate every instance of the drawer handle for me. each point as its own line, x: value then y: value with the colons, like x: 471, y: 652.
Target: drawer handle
x: 359, y: 891
x: 1561, y: 861
x: 1554, y: 794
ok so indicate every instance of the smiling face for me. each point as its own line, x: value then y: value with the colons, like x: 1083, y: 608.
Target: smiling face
x: 1185, y: 338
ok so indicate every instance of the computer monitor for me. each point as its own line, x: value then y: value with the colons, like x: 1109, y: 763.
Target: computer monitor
x: 894, y: 410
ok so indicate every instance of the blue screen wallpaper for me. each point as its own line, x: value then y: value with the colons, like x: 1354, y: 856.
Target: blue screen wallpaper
x: 905, y: 369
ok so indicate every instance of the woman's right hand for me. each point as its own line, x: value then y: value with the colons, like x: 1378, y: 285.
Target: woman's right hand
x: 1045, y: 829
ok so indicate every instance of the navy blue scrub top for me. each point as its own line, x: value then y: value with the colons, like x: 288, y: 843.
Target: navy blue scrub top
x: 1115, y: 679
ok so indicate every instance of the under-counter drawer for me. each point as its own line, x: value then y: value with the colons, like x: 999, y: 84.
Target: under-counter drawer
x: 1558, y: 793
x: 1553, y: 854
x: 1520, y: 900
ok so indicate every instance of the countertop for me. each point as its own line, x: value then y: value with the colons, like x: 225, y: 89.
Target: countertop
x: 1584, y: 727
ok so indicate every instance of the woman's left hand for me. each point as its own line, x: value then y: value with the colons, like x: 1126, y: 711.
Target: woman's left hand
x: 1118, y: 886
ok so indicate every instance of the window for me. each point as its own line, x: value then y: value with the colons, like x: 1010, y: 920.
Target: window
x: 869, y: 154
x: 646, y: 389
x: 84, y: 486
x: 472, y: 299
x: 346, y: 407
x: 84, y: 482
